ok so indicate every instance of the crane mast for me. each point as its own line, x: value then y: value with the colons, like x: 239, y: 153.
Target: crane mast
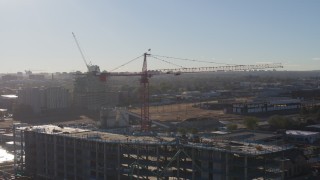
x: 144, y: 85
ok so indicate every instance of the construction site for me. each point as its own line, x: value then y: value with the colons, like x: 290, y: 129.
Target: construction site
x: 147, y: 148
x: 141, y: 150
x: 160, y: 90
x: 57, y: 152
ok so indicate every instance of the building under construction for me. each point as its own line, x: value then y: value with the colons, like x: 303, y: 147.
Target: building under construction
x: 90, y: 93
x: 56, y: 152
x: 90, y: 90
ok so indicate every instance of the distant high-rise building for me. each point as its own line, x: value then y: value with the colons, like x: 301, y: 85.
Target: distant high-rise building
x: 9, y: 77
x: 56, y: 98
x: 31, y: 97
x: 45, y: 99
x: 37, y: 76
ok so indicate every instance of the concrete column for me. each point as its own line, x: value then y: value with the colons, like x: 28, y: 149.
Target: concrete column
x: 138, y: 160
x: 55, y: 156
x: 193, y: 165
x: 97, y: 164
x: 184, y: 169
x: 22, y: 150
x: 282, y: 169
x: 74, y: 159
x: 147, y: 158
x: 46, y: 152
x: 104, y: 161
x: 14, y: 148
x: 118, y: 165
x: 64, y: 157
x: 264, y: 168
x: 245, y: 167
x: 227, y: 166
x: 158, y: 162
x: 178, y: 166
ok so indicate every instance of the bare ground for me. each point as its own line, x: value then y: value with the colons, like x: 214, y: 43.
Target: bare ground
x: 182, y: 112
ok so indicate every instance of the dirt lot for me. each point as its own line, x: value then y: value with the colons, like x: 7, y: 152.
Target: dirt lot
x: 81, y: 120
x: 7, y: 124
x: 181, y: 112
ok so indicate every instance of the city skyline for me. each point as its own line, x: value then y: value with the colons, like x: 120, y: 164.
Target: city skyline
x: 36, y: 35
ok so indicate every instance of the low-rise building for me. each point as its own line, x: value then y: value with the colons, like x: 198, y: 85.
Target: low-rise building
x: 267, y: 106
x: 315, y: 128
x: 302, y: 136
x: 9, y: 77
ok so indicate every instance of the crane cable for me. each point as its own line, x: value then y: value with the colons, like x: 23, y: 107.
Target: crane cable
x: 169, y: 57
x: 126, y: 63
x: 192, y: 60
x: 167, y: 61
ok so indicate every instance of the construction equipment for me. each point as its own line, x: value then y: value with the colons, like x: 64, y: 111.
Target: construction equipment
x: 91, y: 68
x: 145, y: 74
x: 144, y: 83
x: 30, y: 71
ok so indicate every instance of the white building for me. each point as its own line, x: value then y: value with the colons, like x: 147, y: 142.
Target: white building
x: 268, y: 106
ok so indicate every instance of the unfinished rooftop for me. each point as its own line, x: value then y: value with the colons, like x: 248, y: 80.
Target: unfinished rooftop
x: 222, y: 144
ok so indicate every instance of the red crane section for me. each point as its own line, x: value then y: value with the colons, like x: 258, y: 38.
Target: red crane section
x: 144, y: 94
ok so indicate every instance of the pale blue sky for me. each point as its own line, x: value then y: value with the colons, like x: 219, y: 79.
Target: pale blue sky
x: 36, y: 34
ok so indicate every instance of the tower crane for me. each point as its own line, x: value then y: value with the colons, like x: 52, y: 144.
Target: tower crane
x: 146, y: 74
x: 91, y: 68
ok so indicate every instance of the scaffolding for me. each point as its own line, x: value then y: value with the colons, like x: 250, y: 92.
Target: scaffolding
x: 19, y: 153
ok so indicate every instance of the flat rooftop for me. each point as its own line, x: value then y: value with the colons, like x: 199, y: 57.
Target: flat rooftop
x: 240, y: 148
x: 301, y: 133
x: 221, y: 144
x: 98, y: 135
x: 249, y: 136
x: 9, y: 96
x: 53, y: 129
x: 317, y: 126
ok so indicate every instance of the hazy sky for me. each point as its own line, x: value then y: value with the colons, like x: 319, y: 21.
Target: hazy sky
x: 36, y: 34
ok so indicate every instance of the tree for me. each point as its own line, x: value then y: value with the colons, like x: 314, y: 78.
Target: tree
x: 193, y: 131
x: 182, y: 131
x: 232, y: 127
x: 318, y: 114
x: 304, y: 111
x: 251, y: 122
x: 279, y: 122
